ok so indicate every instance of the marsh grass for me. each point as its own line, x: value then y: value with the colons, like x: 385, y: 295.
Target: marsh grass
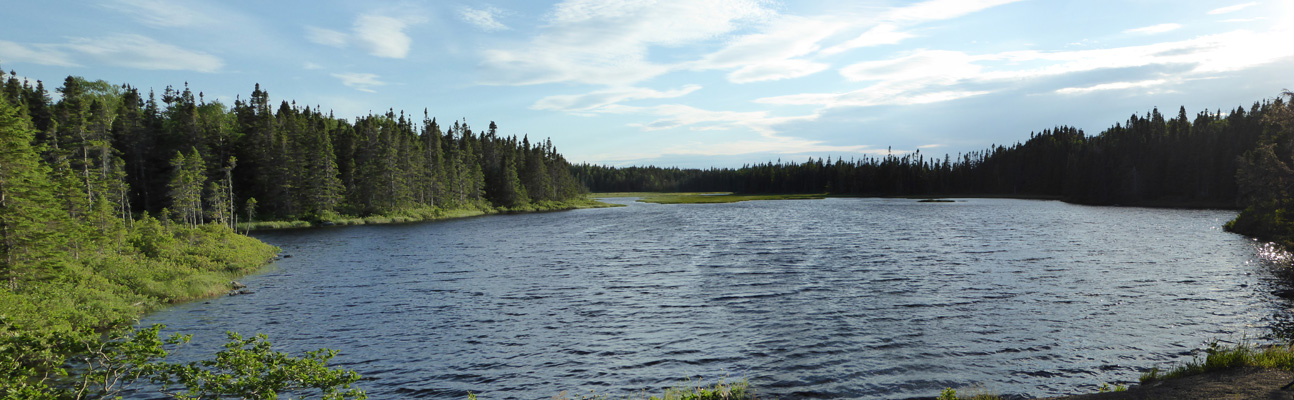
x: 1219, y: 357
x: 652, y: 194
x: 155, y: 263
x: 704, y: 198
x: 419, y: 214
x: 975, y: 392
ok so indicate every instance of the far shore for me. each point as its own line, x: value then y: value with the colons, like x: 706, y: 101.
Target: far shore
x: 730, y: 197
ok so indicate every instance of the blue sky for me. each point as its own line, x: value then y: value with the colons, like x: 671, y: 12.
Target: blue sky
x: 688, y: 83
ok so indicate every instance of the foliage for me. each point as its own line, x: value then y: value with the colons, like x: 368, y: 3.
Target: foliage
x: 250, y: 369
x: 1266, y: 180
x: 88, y: 365
x: 1219, y: 357
x: 976, y: 393
x: 1105, y: 388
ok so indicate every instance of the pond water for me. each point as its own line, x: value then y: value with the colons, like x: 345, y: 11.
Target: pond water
x: 835, y: 298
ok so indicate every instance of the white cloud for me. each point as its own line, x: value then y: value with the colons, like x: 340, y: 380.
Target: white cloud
x: 606, y: 43
x: 777, y: 50
x: 776, y: 70
x: 771, y: 53
x: 383, y: 36
x: 1231, y: 9
x: 1153, y: 29
x: 136, y: 51
x: 876, y: 95
x: 778, y: 145
x: 933, y: 66
x: 311, y: 66
x: 164, y: 14
x: 1114, y: 86
x: 879, y: 35
x: 935, y: 10
x: 482, y: 18
x: 363, y: 82
x: 326, y: 37
x: 43, y: 54
x: 928, y: 76
x: 379, y: 35
x: 594, y: 101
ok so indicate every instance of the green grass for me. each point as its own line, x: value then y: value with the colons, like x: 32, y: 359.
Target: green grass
x: 708, y: 198
x: 650, y: 194
x: 975, y: 392
x: 153, y: 264
x: 418, y: 214
x: 1219, y: 357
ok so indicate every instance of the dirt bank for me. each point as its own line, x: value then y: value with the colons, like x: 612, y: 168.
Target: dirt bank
x: 1235, y: 383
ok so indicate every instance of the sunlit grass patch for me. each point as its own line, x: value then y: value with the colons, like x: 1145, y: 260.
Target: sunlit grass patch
x: 975, y: 392
x: 1219, y: 357
x: 604, y: 195
x: 688, y: 198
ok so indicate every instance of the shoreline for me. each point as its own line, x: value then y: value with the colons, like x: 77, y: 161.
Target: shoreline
x: 423, y: 215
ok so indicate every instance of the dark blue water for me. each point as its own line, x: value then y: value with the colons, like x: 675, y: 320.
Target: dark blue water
x: 836, y: 298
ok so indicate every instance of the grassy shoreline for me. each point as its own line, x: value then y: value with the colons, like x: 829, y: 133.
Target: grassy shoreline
x: 422, y: 215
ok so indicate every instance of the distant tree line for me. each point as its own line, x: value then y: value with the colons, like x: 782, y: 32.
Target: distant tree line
x: 1150, y: 159
x: 203, y: 161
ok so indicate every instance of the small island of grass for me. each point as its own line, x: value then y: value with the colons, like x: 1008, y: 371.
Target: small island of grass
x: 707, y: 198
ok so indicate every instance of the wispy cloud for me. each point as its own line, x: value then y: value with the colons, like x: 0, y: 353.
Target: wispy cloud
x: 42, y: 54
x: 606, y: 43
x: 483, y: 18
x: 164, y: 14
x: 1113, y: 86
x: 1233, y: 8
x: 384, y: 36
x: 783, y: 46
x: 929, y: 76
x: 1153, y: 29
x: 936, y: 10
x: 363, y: 82
x: 142, y: 52
x: 583, y: 103
x: 879, y: 35
x: 377, y: 34
x: 327, y: 37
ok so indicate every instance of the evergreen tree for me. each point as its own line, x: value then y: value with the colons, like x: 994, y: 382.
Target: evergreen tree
x: 31, y: 242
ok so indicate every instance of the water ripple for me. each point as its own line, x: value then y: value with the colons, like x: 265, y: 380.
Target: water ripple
x: 838, y: 298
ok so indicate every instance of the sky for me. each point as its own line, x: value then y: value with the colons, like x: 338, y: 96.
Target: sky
x: 687, y: 83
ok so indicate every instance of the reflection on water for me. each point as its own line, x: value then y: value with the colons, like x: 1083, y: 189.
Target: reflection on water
x: 836, y: 298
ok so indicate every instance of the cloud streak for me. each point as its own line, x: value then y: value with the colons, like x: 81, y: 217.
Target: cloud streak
x: 363, y: 82
x: 594, y: 101
x: 483, y: 19
x: 1155, y: 29
x: 607, y: 43
x: 376, y: 34
x: 1231, y: 9
x: 164, y: 14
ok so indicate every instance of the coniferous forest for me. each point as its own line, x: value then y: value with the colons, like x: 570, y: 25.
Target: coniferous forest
x: 1150, y: 159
